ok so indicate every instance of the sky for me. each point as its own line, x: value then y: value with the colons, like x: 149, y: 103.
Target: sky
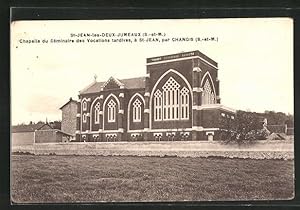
x: 254, y: 56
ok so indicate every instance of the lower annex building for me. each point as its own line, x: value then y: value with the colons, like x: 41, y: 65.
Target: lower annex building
x: 178, y: 99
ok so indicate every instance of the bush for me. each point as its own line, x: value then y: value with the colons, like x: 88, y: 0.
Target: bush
x: 246, y: 127
x: 256, y: 135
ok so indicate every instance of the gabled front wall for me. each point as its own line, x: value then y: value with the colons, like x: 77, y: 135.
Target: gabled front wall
x: 186, y: 123
x: 183, y: 67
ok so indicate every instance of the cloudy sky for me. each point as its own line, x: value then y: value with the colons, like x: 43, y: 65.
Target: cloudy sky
x: 255, y: 59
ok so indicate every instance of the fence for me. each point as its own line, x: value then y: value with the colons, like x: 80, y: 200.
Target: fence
x: 257, y: 150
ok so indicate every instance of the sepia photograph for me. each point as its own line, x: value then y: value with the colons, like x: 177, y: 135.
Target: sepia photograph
x: 160, y: 110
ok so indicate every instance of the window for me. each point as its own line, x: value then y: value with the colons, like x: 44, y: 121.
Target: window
x: 111, y: 111
x: 158, y: 105
x: 171, y: 100
x: 97, y: 112
x: 137, y: 111
x: 172, y: 103
x: 208, y: 96
x: 84, y: 106
x: 84, y: 118
x: 212, y: 98
x: 184, y: 103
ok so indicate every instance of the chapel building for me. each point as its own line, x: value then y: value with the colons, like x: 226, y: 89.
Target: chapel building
x: 178, y: 99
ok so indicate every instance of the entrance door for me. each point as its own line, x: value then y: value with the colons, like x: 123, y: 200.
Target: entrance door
x: 210, y: 137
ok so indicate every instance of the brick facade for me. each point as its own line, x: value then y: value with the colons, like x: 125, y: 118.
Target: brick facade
x: 177, y: 100
x: 69, y: 111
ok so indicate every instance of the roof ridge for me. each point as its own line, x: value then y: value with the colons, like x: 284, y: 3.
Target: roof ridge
x: 70, y: 100
x: 128, y: 83
x: 133, y: 78
x: 112, y: 78
x: 87, y: 87
x: 44, y: 125
x: 122, y: 79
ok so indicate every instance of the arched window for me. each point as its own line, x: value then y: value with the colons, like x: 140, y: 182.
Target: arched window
x: 137, y: 110
x: 84, y: 106
x: 171, y: 100
x: 158, y: 105
x: 172, y: 103
x: 184, y: 96
x: 208, y: 96
x: 111, y: 111
x: 97, y: 112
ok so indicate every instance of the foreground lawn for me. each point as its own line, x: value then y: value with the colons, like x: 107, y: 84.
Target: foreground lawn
x: 97, y: 178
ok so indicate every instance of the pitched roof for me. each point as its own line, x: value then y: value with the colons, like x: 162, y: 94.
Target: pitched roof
x: 57, y: 130
x: 35, y: 126
x: 70, y: 100
x: 46, y: 126
x: 63, y: 132
x: 134, y: 83
x: 95, y: 87
x: 131, y: 83
x: 26, y: 128
x: 118, y: 82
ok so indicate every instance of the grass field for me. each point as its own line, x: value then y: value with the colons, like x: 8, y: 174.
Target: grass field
x: 97, y: 178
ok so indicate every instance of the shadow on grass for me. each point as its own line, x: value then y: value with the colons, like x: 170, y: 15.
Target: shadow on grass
x: 22, y: 153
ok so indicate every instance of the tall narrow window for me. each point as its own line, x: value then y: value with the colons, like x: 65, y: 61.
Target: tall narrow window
x: 158, y: 105
x: 208, y: 96
x: 171, y: 99
x: 212, y: 98
x: 84, y: 118
x: 184, y: 95
x: 97, y: 112
x: 84, y: 106
x: 137, y: 110
x: 111, y: 111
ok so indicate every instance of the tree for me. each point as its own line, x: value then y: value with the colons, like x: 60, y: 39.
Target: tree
x: 228, y: 128
x: 246, y: 126
x: 278, y: 118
